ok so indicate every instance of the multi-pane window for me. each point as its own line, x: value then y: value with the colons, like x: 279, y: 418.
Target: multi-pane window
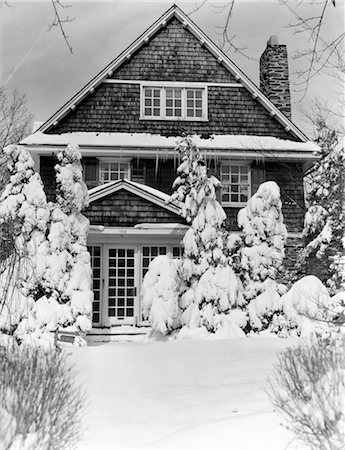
x: 112, y: 171
x: 150, y: 252
x: 174, y: 103
x: 121, y: 283
x: 95, y: 253
x: 194, y: 102
x: 152, y: 102
x: 235, y: 181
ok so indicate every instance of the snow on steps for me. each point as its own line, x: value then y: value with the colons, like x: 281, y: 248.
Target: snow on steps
x: 117, y: 333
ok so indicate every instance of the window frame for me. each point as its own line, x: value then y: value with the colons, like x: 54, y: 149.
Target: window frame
x: 163, y: 86
x: 249, y: 174
x: 113, y: 161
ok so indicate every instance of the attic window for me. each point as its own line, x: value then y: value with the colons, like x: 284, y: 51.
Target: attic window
x: 235, y: 182
x: 112, y: 170
x: 174, y: 103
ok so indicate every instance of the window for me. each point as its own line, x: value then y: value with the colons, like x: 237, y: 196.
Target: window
x: 174, y: 103
x: 235, y: 179
x: 113, y: 170
x: 95, y: 253
x: 150, y: 252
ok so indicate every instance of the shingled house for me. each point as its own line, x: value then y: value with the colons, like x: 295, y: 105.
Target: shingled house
x: 172, y: 80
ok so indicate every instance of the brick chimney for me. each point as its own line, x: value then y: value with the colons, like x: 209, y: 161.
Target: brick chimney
x: 274, y: 75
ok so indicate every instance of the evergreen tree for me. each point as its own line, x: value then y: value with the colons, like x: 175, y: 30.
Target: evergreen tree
x: 324, y: 226
x: 265, y: 236
x: 205, y: 299
x: 68, y: 235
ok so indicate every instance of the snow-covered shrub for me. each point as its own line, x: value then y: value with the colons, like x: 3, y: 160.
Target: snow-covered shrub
x: 24, y: 213
x: 324, y: 225
x: 69, y: 276
x: 261, y: 257
x: 265, y: 236
x: 46, y: 267
x: 40, y: 402
x: 160, y: 294
x: 308, y: 390
x: 310, y: 307
x: 204, y: 245
x: 265, y: 312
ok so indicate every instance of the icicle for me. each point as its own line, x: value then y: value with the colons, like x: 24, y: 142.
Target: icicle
x: 157, y: 163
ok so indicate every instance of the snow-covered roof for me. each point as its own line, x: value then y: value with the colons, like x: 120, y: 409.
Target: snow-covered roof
x: 90, y: 142
x: 148, y: 193
x: 176, y: 12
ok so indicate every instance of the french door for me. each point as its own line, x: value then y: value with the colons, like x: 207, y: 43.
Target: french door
x: 121, y: 285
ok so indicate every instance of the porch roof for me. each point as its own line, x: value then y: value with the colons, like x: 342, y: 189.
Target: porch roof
x: 144, y: 144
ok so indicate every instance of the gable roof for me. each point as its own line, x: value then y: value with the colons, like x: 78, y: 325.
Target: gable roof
x: 146, y: 192
x: 176, y: 12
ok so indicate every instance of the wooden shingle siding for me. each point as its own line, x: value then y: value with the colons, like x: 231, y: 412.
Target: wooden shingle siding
x: 47, y: 172
x: 124, y: 209
x: 174, y: 54
x: 116, y: 108
x: 289, y: 177
x: 162, y: 178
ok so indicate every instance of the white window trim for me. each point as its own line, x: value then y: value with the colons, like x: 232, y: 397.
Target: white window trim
x: 165, y: 85
x: 114, y: 160
x: 237, y: 163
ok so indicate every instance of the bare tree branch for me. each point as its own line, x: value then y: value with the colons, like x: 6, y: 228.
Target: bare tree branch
x: 322, y: 54
x: 15, y: 119
x: 59, y: 21
x: 197, y: 7
x: 227, y: 42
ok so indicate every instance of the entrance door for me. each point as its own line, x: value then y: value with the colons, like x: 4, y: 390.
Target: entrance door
x: 121, y: 296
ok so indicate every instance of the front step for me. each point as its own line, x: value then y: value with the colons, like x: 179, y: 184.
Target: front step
x: 117, y: 333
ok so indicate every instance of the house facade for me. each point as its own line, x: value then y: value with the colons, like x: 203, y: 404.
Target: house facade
x: 172, y: 81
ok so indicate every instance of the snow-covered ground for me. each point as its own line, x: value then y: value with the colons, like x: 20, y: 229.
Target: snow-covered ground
x: 181, y: 394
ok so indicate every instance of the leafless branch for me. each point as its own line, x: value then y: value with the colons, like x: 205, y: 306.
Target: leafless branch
x: 197, y: 6
x: 227, y: 42
x: 15, y: 119
x: 322, y: 54
x: 59, y: 21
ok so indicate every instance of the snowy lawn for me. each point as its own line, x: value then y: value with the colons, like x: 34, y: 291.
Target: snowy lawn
x: 181, y: 394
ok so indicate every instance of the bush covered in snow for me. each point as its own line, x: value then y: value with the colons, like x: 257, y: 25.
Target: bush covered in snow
x: 160, y: 295
x: 69, y: 272
x: 324, y: 225
x: 265, y: 235
x: 205, y: 296
x: 45, y: 277
x: 40, y: 402
x: 308, y: 389
x: 200, y: 291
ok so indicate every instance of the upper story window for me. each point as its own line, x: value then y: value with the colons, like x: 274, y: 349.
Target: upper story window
x: 112, y: 170
x: 235, y: 182
x: 174, y: 103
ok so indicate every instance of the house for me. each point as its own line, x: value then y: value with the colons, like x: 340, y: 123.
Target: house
x: 172, y: 80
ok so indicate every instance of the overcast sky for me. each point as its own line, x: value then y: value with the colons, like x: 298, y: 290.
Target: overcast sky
x: 37, y: 62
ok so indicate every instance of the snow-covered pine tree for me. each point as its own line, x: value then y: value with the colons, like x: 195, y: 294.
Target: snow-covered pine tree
x: 24, y: 213
x: 210, y: 288
x: 324, y: 226
x: 70, y: 268
x: 263, y: 252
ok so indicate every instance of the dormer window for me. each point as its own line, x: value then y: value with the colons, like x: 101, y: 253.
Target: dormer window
x: 174, y: 102
x: 112, y: 170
